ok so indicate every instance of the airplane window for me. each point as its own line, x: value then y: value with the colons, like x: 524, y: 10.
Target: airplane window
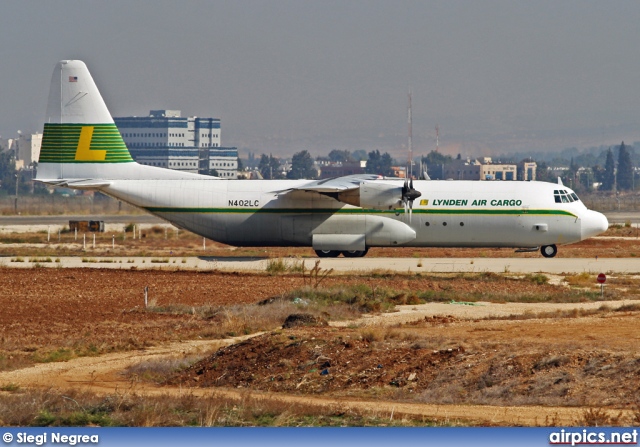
x: 575, y: 197
x: 556, y: 191
x: 427, y: 224
x: 564, y: 199
x: 557, y: 197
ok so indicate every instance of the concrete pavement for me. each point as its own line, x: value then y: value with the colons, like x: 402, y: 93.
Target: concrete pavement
x: 344, y: 265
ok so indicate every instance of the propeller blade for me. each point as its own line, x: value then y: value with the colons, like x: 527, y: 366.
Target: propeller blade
x: 410, y: 210
x: 411, y: 184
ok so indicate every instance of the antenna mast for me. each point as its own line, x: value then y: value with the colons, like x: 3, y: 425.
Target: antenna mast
x: 437, y: 137
x: 410, y: 141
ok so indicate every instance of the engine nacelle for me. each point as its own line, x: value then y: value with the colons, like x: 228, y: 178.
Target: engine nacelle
x: 373, y: 195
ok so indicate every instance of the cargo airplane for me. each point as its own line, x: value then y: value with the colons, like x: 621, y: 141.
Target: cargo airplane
x: 83, y: 149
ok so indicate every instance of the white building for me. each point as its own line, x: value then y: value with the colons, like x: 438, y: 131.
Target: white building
x: 26, y: 148
x: 167, y: 140
x: 30, y: 152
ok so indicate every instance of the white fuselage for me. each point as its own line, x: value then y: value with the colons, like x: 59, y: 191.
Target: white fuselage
x: 448, y: 213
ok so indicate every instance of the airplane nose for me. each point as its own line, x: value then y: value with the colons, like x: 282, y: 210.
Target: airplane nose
x: 593, y: 224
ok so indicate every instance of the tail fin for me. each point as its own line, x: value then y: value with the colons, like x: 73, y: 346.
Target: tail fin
x: 79, y: 132
x: 81, y: 144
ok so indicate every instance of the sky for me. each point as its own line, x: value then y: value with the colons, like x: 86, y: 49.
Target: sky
x: 287, y: 75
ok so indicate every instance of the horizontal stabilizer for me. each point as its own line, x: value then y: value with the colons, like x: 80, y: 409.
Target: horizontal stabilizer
x: 75, y: 183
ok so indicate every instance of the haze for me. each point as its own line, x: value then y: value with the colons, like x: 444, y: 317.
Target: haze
x: 497, y: 76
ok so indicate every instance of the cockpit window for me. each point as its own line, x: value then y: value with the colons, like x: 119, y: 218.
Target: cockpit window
x: 556, y: 195
x: 563, y: 196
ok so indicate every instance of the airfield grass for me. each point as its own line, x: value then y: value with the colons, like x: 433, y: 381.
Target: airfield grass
x: 54, y: 408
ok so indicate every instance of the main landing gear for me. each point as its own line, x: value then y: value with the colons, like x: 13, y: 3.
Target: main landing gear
x: 549, y: 251
x: 345, y: 253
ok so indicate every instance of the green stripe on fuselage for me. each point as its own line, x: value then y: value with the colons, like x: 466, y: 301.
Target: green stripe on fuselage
x: 493, y: 212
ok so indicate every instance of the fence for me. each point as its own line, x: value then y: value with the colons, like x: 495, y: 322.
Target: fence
x: 56, y: 204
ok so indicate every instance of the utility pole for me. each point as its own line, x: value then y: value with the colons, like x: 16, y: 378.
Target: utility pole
x: 17, y: 147
x: 410, y: 140
x: 15, y: 205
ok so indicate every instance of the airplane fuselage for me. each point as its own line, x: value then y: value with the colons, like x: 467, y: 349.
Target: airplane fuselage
x: 448, y: 213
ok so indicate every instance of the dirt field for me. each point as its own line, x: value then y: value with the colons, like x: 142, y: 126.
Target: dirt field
x: 97, y: 310
x: 536, y: 364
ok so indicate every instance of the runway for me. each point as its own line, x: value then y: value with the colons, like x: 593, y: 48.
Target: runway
x: 346, y: 265
x: 339, y: 265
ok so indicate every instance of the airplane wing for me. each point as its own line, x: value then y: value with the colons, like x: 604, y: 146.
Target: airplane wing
x: 333, y: 185
x: 361, y: 190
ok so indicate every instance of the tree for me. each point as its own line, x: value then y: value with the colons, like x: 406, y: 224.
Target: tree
x: 269, y: 167
x: 598, y: 173
x: 240, y: 164
x: 543, y: 174
x: 625, y: 169
x: 7, y: 171
x: 359, y: 155
x: 379, y: 164
x: 571, y: 176
x: 302, y: 166
x: 609, y: 176
x: 340, y: 156
x: 434, y: 164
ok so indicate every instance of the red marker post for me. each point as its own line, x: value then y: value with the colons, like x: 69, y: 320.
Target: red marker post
x: 602, y: 278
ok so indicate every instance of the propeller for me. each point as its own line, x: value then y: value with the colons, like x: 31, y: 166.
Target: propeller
x: 409, y: 194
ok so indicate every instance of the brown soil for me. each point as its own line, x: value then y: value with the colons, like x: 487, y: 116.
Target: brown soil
x: 60, y: 308
x: 550, y: 368
x: 533, y: 362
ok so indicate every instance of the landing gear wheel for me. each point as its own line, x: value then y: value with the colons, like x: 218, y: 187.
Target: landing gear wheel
x: 355, y: 253
x: 549, y: 251
x: 327, y: 253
